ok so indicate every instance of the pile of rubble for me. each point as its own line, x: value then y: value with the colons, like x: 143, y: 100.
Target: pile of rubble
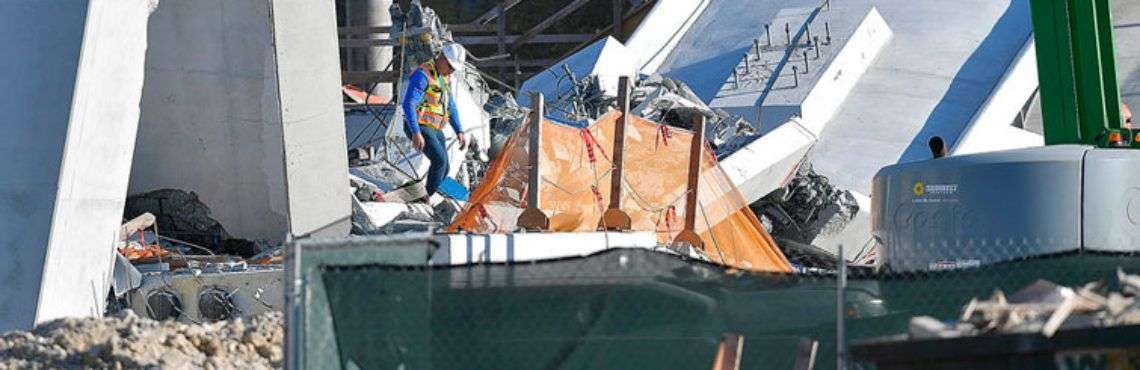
x: 656, y: 98
x: 184, y: 217
x: 126, y: 341
x: 1042, y: 307
x: 807, y: 207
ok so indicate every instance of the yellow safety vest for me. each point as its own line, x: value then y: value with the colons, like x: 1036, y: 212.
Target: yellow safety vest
x: 432, y: 110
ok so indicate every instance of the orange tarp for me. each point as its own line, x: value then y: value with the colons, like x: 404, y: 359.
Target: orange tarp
x: 576, y: 165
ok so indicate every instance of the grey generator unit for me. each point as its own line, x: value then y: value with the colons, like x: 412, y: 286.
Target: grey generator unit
x: 970, y: 210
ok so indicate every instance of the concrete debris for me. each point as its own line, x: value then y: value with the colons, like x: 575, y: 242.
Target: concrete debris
x: 180, y: 215
x: 383, y: 218
x: 654, y: 97
x: 807, y: 207
x: 585, y: 100
x: 126, y: 341
x: 422, y: 28
x: 1041, y: 307
x: 506, y: 117
x: 666, y: 100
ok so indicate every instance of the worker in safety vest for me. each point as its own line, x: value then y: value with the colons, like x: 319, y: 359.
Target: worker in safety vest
x: 429, y: 106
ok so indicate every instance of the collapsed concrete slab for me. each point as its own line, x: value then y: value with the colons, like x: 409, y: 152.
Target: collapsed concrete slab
x: 799, y: 73
x: 608, y: 59
x: 73, y: 76
x: 661, y: 29
x: 242, y: 106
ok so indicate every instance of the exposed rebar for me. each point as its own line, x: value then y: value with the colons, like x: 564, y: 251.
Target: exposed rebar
x: 806, y: 67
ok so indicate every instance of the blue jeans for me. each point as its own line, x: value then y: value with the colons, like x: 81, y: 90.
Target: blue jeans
x: 435, y: 149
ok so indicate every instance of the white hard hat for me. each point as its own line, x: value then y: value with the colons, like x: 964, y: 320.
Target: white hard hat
x: 455, y: 55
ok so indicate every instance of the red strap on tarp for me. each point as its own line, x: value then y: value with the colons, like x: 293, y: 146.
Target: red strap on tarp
x: 592, y: 142
x: 482, y: 210
x: 663, y: 135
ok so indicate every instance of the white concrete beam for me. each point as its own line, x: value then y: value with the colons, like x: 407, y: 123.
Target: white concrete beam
x: 242, y: 106
x: 73, y: 75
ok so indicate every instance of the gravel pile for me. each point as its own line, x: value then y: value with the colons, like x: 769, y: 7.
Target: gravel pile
x: 126, y: 341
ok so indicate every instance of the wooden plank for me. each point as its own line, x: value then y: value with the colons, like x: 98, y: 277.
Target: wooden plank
x: 468, y: 27
x: 521, y: 63
x: 806, y: 350
x: 368, y: 76
x: 362, y: 30
x: 533, y: 218
x: 501, y: 32
x: 380, y: 30
x: 696, y: 154
x: 542, y: 26
x: 615, y: 219
x: 561, y: 38
x: 368, y: 30
x: 728, y: 352
x: 368, y: 43
x: 631, y: 15
x: 493, y: 14
x: 618, y: 18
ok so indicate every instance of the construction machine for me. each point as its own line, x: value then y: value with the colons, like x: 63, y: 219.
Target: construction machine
x: 1079, y: 192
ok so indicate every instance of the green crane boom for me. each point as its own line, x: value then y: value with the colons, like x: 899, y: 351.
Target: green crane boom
x: 1080, y: 93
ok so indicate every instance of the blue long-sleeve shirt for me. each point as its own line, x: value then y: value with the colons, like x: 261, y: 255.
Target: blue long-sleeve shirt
x: 414, y: 93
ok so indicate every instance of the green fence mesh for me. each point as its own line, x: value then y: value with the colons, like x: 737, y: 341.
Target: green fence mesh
x: 377, y: 304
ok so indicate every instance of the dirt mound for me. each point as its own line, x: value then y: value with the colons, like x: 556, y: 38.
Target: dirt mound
x: 126, y: 341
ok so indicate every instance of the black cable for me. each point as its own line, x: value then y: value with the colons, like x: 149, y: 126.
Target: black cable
x: 374, y: 118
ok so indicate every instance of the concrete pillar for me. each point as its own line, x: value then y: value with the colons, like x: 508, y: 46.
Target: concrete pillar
x: 242, y: 106
x: 72, y: 73
x: 372, y: 13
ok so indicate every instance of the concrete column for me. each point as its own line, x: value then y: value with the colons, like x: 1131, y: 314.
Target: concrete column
x: 72, y: 73
x: 242, y: 106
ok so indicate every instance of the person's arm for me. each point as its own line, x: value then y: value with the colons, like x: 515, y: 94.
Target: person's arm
x: 453, y: 113
x: 413, y: 94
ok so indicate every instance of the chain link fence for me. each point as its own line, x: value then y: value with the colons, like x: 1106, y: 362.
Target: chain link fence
x: 380, y: 303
